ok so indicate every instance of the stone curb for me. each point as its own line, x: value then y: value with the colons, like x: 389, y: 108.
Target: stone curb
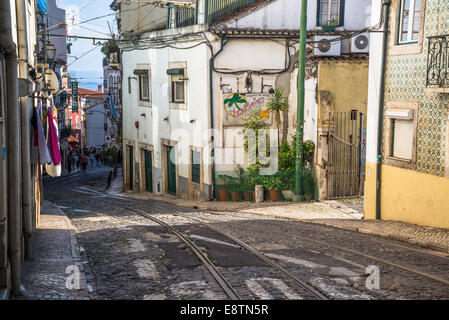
x: 421, y: 243
x: 75, y: 252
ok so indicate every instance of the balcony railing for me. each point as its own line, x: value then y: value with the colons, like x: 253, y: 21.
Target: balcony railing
x: 216, y: 10
x: 438, y: 62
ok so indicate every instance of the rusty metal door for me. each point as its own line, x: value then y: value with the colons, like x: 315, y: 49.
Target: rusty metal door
x: 345, y: 173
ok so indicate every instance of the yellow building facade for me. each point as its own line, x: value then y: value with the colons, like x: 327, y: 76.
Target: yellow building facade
x: 414, y: 157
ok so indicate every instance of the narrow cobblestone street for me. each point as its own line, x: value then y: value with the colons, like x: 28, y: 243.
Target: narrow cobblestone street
x: 125, y: 255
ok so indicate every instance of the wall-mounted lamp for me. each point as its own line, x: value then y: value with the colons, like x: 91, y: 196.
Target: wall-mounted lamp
x: 166, y: 119
x: 143, y: 115
x: 192, y: 121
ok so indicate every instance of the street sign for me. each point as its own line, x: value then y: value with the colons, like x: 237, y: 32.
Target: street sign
x: 74, y: 96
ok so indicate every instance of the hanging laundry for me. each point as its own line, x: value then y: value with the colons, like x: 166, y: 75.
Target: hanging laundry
x: 39, y: 149
x: 53, y: 169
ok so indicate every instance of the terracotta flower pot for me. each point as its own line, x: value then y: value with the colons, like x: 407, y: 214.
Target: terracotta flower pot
x: 275, y: 195
x: 247, y: 195
x: 223, y: 194
x: 236, y: 196
x: 308, y: 197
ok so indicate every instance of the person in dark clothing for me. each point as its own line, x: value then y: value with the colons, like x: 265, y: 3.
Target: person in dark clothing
x: 84, y: 161
x: 69, y: 162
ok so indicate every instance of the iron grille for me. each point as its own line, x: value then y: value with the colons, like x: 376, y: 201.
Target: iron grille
x: 438, y: 61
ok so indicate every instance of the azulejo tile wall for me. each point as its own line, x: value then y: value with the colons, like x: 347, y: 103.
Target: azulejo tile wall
x: 406, y: 80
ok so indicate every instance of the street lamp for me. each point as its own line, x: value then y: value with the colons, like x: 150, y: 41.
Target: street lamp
x: 51, y: 52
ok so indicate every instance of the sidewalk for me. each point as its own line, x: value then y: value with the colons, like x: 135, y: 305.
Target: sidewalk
x: 342, y: 214
x: 54, y: 251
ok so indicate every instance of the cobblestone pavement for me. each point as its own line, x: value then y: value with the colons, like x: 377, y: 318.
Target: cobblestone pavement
x: 126, y: 256
x: 342, y: 214
x: 54, y: 258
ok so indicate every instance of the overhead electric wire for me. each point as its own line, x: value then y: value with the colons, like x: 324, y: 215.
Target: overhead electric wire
x: 83, y: 55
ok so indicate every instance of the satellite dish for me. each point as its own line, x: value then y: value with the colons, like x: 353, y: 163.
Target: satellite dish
x: 361, y: 42
x: 324, y: 45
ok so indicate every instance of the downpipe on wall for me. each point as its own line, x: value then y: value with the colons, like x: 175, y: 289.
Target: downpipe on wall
x: 25, y: 108
x: 13, y: 147
x: 386, y: 16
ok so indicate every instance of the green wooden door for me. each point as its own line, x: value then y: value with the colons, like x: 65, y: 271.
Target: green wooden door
x: 148, y: 171
x: 131, y: 167
x: 171, y: 171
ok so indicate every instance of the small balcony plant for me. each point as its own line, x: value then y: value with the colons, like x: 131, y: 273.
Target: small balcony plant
x: 330, y: 25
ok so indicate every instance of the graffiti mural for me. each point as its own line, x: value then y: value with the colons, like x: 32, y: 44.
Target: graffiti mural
x: 238, y: 106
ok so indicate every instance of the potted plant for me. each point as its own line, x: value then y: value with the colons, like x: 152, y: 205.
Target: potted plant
x: 330, y: 25
x: 235, y: 190
x: 223, y: 193
x: 309, y: 185
x: 248, y: 186
x: 273, y: 184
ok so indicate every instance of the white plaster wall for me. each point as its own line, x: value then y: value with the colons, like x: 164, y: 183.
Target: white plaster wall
x: 95, y: 135
x: 285, y: 14
x: 310, y: 108
x: 374, y: 82
x: 152, y: 127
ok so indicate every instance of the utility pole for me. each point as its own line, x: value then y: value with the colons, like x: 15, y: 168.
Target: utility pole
x: 299, y: 194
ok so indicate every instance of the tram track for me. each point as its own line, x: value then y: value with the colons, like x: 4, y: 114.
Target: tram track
x: 304, y: 286
x: 230, y: 292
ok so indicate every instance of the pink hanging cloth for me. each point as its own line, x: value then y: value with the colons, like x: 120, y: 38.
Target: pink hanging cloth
x: 53, y: 139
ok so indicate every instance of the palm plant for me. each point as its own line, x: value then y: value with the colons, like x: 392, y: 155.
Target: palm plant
x: 277, y: 104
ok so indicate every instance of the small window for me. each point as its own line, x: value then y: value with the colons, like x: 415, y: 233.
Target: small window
x: 330, y: 13
x: 144, y: 87
x: 196, y: 166
x: 409, y: 21
x: 178, y: 90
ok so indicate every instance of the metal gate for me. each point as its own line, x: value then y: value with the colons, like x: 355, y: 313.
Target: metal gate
x: 346, y: 137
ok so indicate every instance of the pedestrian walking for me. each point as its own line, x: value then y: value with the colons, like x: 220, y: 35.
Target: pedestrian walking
x: 98, y: 158
x: 69, y: 162
x: 92, y: 158
x: 84, y: 161
x: 76, y: 161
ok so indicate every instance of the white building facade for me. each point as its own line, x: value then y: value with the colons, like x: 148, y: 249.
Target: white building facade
x: 176, y: 82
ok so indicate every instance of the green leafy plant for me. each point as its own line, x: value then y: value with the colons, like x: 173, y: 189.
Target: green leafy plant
x: 308, y: 183
x: 272, y: 182
x: 276, y: 104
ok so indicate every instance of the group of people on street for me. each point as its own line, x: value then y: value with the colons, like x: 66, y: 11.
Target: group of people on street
x: 80, y: 159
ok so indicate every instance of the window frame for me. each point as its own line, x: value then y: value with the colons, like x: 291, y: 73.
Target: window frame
x: 177, y: 77
x: 390, y: 159
x: 141, y: 87
x: 195, y: 167
x: 397, y: 48
x: 139, y: 71
x: 410, y: 23
x: 341, y: 18
x: 173, y: 95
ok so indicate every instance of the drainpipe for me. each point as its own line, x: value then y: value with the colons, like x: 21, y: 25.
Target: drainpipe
x: 13, y: 135
x: 386, y: 13
x: 211, y: 98
x: 25, y: 126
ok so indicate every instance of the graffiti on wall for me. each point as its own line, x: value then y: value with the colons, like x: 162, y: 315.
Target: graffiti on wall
x: 238, y: 106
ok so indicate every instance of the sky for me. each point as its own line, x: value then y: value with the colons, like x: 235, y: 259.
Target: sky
x: 89, y: 68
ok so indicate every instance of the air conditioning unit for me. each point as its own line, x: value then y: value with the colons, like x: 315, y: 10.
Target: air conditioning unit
x: 360, y: 43
x: 327, y: 45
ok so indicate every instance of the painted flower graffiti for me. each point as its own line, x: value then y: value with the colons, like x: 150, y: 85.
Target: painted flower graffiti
x: 233, y: 101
